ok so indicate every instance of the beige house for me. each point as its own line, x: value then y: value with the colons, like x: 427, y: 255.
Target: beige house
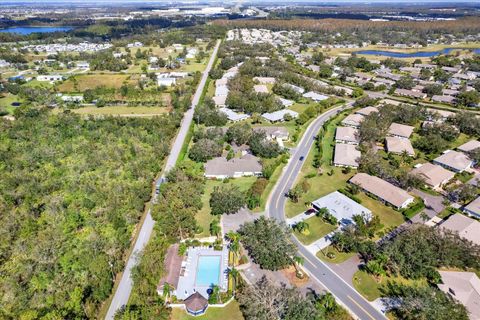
x: 366, y: 111
x: 463, y: 287
x: 469, y: 146
x: 346, y: 135
x: 454, y: 160
x: 466, y: 227
x: 399, y: 145
x: 353, y: 120
x: 385, y: 191
x: 346, y: 155
x: 434, y: 176
x: 400, y: 130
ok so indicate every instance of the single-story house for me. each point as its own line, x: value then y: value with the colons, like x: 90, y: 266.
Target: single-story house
x: 473, y: 208
x: 434, y: 176
x: 52, y: 77
x: 232, y: 115
x: 166, y: 81
x: 454, y: 160
x: 469, y: 146
x: 285, y: 102
x: 221, y: 168
x: 400, y: 130
x: 260, y: 88
x: 353, y: 120
x: 315, y: 96
x: 295, y: 88
x: 346, y: 135
x: 366, y: 111
x: 75, y: 98
x: 410, y: 93
x: 463, y: 287
x: 274, y: 132
x: 399, y: 145
x: 443, y: 99
x: 279, y: 115
x: 466, y: 227
x: 221, y: 82
x: 83, y: 65
x: 450, y: 92
x: 341, y: 207
x: 382, y: 189
x: 265, y: 80
x: 346, y: 155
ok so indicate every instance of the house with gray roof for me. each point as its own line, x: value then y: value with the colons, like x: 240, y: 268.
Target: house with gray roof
x: 233, y: 116
x: 315, y: 96
x: 279, y: 115
x: 346, y: 155
x: 454, y: 161
x: 341, y: 207
x: 385, y: 191
x: 353, y: 120
x: 221, y: 168
x: 469, y: 146
x: 347, y: 135
x: 466, y: 227
x: 399, y: 146
x: 366, y: 111
x: 463, y: 287
x: 434, y: 176
x: 400, y: 130
x: 473, y: 208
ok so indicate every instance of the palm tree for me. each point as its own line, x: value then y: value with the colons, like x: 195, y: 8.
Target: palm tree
x: 166, y: 291
x: 233, y: 236
x: 234, y: 273
x: 297, y: 261
x: 215, y: 295
x: 215, y: 228
x: 301, y: 226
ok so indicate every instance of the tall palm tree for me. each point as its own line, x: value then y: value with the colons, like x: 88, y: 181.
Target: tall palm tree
x: 297, y: 261
x: 215, y: 228
x: 234, y: 273
x: 166, y: 291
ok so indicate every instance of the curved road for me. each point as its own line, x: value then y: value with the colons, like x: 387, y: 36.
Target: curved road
x: 122, y: 294
x: 317, y: 269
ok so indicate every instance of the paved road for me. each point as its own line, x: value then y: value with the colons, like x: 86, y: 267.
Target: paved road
x: 124, y: 289
x: 344, y: 293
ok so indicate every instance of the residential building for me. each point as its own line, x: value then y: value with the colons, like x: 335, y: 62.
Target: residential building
x: 221, y: 91
x: 469, y: 146
x: 260, y: 88
x: 346, y: 155
x: 264, y: 80
x: 285, y: 102
x: 274, y: 133
x: 366, y: 111
x: 232, y: 115
x: 385, y: 191
x: 166, y: 81
x: 295, y: 88
x: 465, y: 288
x: 443, y: 99
x: 410, y: 93
x: 341, y: 207
x: 473, y: 208
x: 279, y: 115
x: 315, y: 96
x: 434, y: 176
x: 400, y: 130
x: 221, y: 168
x: 353, y: 120
x: 466, y: 227
x: 399, y: 146
x: 347, y: 135
x: 454, y: 161
x: 52, y: 77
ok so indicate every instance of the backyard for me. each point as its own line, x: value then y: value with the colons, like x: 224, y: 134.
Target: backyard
x: 317, y: 228
x: 231, y: 312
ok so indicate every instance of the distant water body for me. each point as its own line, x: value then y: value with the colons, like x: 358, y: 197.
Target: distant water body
x: 418, y: 54
x: 29, y: 30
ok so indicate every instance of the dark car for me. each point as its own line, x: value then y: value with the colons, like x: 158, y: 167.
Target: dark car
x: 301, y: 158
x: 310, y: 211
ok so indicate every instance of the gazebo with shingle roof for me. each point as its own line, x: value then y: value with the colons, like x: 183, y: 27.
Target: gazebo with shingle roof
x: 196, y: 304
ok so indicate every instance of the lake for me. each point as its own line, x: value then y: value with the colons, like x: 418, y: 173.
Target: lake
x: 417, y: 54
x: 29, y: 30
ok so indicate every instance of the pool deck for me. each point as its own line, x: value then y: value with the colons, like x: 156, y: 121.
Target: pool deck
x: 187, y: 281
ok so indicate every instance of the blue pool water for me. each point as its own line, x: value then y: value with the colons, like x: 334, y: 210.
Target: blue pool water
x: 29, y: 30
x: 418, y: 54
x: 208, y: 271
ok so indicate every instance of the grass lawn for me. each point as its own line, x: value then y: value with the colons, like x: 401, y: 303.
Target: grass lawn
x: 317, y: 228
x: 119, y: 110
x: 369, y: 287
x: 339, y: 256
x: 6, y: 102
x: 389, y: 217
x: 204, y: 218
x: 91, y: 81
x: 231, y: 312
x: 320, y: 185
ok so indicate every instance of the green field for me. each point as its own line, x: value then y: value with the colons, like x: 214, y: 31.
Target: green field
x: 204, y: 218
x: 339, y: 256
x: 6, y: 102
x: 317, y: 229
x: 230, y: 312
x: 370, y: 288
x: 92, y: 81
x: 120, y: 111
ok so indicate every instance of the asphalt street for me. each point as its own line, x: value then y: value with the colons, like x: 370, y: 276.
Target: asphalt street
x: 122, y: 294
x: 345, y: 294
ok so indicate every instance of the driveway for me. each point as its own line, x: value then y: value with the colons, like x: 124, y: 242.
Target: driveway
x: 433, y: 205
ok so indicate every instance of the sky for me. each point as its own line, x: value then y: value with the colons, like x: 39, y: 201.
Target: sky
x: 258, y: 1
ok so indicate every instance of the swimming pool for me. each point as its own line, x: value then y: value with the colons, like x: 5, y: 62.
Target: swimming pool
x: 208, y: 271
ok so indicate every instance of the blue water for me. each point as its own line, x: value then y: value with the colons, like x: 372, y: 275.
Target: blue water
x: 29, y: 30
x: 208, y: 271
x: 418, y: 54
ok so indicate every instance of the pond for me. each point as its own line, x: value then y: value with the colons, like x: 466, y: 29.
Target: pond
x: 29, y: 30
x: 417, y: 54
